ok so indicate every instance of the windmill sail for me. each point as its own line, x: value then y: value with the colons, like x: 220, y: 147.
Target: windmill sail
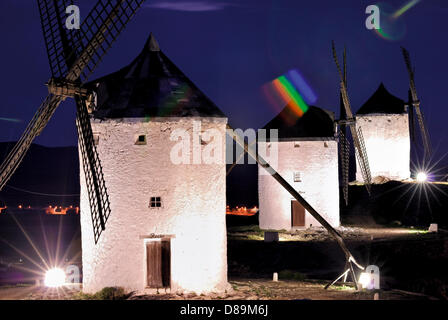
x: 411, y: 118
x: 37, y: 123
x: 416, y: 103
x: 344, y: 154
x: 344, y: 147
x: 73, y: 57
x: 59, y: 41
x: 93, y: 172
x: 358, y: 140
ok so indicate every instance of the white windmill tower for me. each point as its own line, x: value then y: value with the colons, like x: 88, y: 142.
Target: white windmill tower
x: 165, y: 222
x: 167, y: 227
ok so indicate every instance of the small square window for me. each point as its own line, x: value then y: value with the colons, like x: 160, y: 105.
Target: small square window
x: 141, y: 139
x: 297, y: 177
x: 155, y: 202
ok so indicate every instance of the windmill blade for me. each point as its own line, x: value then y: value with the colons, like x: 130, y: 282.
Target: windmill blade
x: 361, y: 154
x: 100, y: 29
x: 93, y: 172
x: 416, y: 103
x: 98, y: 32
x: 342, y: 113
x: 37, y: 123
x: 59, y: 41
x: 344, y: 154
x: 344, y: 146
x: 70, y: 52
x: 358, y: 140
x: 82, y: 51
x: 407, y: 61
x: 411, y: 118
x: 424, y: 132
x: 336, y: 61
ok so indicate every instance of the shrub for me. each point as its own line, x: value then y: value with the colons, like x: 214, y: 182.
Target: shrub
x: 107, y: 293
x: 112, y: 293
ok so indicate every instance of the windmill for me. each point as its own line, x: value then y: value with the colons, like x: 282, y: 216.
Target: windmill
x: 414, y: 101
x: 358, y: 140
x: 73, y: 56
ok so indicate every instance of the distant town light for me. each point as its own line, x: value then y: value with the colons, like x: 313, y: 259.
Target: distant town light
x: 421, y: 177
x: 55, y: 278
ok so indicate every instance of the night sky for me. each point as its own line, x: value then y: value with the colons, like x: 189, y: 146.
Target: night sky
x: 230, y: 49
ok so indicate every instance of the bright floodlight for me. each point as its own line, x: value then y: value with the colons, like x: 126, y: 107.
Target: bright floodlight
x: 422, y: 177
x: 364, y: 279
x: 55, y: 278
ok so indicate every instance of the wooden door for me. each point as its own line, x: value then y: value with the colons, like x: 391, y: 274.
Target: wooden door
x: 297, y: 214
x: 158, y: 261
x: 166, y: 263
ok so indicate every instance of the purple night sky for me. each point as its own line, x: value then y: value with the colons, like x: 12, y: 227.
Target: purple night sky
x: 230, y: 49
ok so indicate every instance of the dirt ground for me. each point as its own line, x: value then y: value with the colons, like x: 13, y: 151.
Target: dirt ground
x: 243, y: 289
x: 29, y: 292
x: 263, y: 289
x: 409, y: 259
x: 311, y: 254
x: 320, y: 234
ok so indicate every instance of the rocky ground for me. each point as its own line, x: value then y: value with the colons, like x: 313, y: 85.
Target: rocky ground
x: 412, y: 263
x: 263, y: 289
x: 409, y: 259
x: 320, y: 234
x: 30, y: 292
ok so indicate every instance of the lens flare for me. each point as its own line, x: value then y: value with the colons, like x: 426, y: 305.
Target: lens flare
x: 421, y: 177
x: 302, y: 86
x: 405, y: 8
x: 55, y: 278
x: 284, y: 91
x: 392, y: 29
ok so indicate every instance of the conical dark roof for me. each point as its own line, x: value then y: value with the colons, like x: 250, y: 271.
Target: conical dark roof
x: 315, y: 123
x: 151, y: 86
x: 382, y: 102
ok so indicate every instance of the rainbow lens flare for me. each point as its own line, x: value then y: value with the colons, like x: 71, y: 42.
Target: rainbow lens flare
x: 393, y: 28
x: 405, y: 8
x: 285, y: 91
x: 302, y: 86
x: 290, y: 95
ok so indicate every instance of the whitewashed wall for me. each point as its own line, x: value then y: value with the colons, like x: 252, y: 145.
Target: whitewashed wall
x: 388, y: 145
x: 193, y: 200
x: 318, y: 166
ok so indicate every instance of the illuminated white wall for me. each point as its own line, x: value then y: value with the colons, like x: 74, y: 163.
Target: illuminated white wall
x: 317, y: 162
x: 388, y: 145
x: 194, y: 208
